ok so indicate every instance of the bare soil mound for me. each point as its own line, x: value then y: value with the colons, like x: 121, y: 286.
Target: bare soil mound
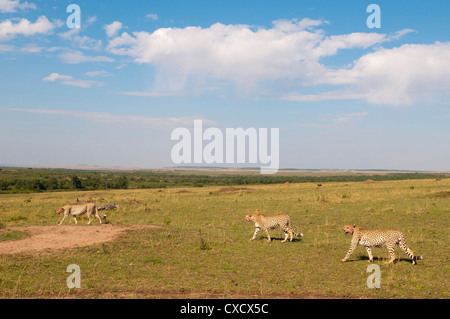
x: 63, y: 237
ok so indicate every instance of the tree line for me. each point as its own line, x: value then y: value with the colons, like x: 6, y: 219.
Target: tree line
x: 20, y: 180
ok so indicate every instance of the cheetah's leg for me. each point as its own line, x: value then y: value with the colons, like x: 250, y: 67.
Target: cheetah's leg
x: 286, y: 235
x: 75, y: 219
x: 64, y: 218
x: 289, y: 230
x: 350, y: 251
x: 291, y: 234
x: 97, y: 215
x: 267, y: 233
x: 256, y: 232
x: 369, y: 252
x: 391, y: 253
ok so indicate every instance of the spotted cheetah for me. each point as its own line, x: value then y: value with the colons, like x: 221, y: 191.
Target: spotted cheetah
x: 78, y: 210
x: 271, y: 222
x: 378, y: 238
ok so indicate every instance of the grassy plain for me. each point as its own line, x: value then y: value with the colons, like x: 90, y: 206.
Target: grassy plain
x: 203, y: 248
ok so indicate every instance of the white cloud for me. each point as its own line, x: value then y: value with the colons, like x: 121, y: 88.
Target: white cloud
x: 58, y: 23
x: 398, y: 76
x: 397, y: 35
x: 152, y: 16
x: 97, y: 73
x: 68, y: 80
x: 81, y: 42
x: 332, y: 44
x: 91, y: 20
x: 113, y: 28
x: 239, y: 54
x: 119, y: 45
x: 32, y: 48
x: 56, y: 76
x: 82, y: 83
x: 9, y: 30
x: 8, y: 6
x: 109, y: 118
x: 75, y: 57
x: 288, y: 56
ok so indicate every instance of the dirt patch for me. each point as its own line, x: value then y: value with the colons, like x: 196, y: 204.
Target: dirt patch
x: 442, y: 194
x: 371, y: 181
x: 63, y: 237
x: 185, y: 192
x: 229, y: 190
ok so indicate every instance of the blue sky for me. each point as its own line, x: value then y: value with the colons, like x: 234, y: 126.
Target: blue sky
x: 343, y: 96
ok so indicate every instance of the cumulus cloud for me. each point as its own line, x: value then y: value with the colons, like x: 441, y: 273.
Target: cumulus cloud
x: 289, y: 55
x: 398, y: 76
x: 113, y: 28
x: 330, y: 45
x: 238, y: 54
x: 8, y: 6
x: 9, y: 30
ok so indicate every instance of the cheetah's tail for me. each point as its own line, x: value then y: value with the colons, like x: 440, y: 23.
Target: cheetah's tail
x: 298, y: 235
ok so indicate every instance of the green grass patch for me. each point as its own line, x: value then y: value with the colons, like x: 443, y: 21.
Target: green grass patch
x: 203, y: 244
x: 13, y: 235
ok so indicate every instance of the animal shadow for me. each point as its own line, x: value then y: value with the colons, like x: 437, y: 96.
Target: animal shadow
x: 381, y: 259
x: 295, y: 239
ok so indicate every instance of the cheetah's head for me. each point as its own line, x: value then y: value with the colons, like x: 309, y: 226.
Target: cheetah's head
x: 349, y: 229
x: 249, y: 218
x: 60, y: 210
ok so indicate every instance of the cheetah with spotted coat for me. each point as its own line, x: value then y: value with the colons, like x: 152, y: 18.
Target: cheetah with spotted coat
x: 270, y: 222
x: 78, y: 210
x: 378, y: 238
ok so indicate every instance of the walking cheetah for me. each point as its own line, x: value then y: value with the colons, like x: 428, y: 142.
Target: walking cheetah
x: 378, y: 238
x: 78, y: 210
x: 271, y: 222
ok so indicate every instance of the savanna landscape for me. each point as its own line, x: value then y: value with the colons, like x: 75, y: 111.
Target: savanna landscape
x: 137, y: 138
x: 193, y: 242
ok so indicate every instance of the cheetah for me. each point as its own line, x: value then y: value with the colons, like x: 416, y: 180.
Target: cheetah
x: 378, y: 238
x: 78, y: 210
x: 271, y: 222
